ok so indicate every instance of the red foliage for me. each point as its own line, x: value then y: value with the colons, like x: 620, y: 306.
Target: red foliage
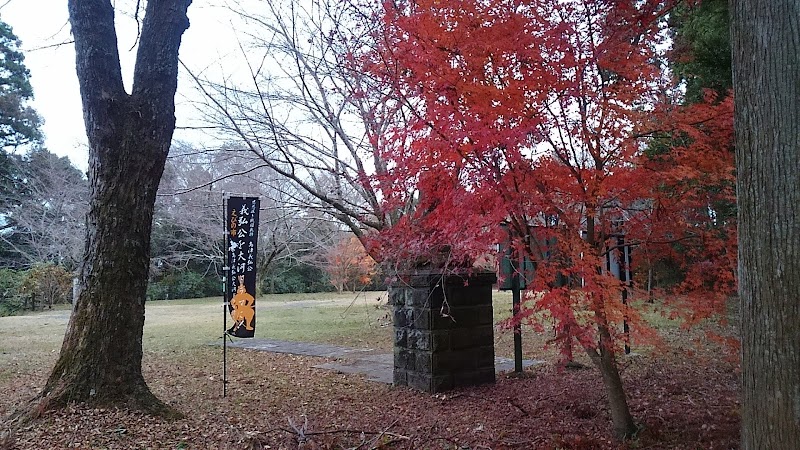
x: 539, y: 114
x: 545, y: 115
x: 694, y: 201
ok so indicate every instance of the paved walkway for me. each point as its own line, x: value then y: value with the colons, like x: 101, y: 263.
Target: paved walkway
x: 374, y: 364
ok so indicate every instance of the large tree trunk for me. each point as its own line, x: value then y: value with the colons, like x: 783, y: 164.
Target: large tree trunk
x: 766, y: 57
x: 129, y: 137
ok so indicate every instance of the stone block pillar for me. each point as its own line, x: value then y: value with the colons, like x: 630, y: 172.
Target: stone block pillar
x: 444, y: 330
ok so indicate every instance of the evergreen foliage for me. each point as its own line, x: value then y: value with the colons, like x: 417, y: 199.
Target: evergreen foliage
x: 10, y: 296
x: 702, y: 49
x: 291, y: 276
x: 19, y: 123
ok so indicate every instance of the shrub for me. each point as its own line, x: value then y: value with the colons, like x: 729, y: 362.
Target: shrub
x: 184, y: 284
x: 46, y: 285
x: 294, y: 277
x: 10, y: 298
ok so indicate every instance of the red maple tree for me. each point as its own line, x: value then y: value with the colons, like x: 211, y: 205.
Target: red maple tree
x: 540, y: 114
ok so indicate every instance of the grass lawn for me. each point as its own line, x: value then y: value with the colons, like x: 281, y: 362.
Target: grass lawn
x: 281, y: 401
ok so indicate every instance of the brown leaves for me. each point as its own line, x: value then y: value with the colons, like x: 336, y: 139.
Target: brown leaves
x: 682, y: 402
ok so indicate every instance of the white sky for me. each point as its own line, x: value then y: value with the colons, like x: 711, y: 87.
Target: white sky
x: 42, y: 24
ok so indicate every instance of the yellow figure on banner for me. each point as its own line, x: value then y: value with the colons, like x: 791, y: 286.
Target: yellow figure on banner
x: 243, y: 306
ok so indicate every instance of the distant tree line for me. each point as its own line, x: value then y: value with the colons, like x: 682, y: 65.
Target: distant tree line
x: 41, y: 243
x: 44, y: 200
x: 306, y: 240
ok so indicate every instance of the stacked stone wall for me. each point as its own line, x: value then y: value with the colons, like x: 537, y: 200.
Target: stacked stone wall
x: 444, y: 331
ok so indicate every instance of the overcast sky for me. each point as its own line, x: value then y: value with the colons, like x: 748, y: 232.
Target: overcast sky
x: 43, y: 24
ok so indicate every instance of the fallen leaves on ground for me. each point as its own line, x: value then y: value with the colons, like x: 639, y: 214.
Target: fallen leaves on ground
x: 278, y: 401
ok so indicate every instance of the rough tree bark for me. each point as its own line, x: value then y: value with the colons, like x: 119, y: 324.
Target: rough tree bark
x: 605, y: 359
x: 604, y: 356
x: 766, y: 78
x: 129, y: 137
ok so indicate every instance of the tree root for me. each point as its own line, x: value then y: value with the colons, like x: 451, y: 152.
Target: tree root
x: 139, y: 399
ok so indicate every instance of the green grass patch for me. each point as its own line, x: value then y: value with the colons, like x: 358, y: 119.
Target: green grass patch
x: 353, y: 325
x: 356, y: 320
x: 344, y: 319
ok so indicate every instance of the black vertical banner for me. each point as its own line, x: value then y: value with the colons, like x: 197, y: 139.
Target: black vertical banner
x: 241, y: 224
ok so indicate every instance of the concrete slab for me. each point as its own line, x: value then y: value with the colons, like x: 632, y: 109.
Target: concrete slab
x: 373, y: 371
x: 299, y: 348
x: 507, y: 364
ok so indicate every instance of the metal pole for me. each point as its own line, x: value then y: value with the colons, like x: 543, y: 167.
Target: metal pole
x: 225, y: 333
x: 623, y: 276
x: 515, y: 301
x: 225, y: 281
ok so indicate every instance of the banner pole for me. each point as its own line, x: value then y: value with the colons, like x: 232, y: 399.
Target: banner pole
x: 225, y: 277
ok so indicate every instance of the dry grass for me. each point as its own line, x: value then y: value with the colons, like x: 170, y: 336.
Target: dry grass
x: 280, y: 401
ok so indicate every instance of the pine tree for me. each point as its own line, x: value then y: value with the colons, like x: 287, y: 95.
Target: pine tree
x: 19, y: 123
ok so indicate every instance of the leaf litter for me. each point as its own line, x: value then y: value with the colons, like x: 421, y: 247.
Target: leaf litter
x: 279, y: 401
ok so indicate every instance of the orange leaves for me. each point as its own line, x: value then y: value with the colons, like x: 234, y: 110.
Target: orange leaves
x: 696, y: 195
x: 348, y: 265
x: 706, y: 147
